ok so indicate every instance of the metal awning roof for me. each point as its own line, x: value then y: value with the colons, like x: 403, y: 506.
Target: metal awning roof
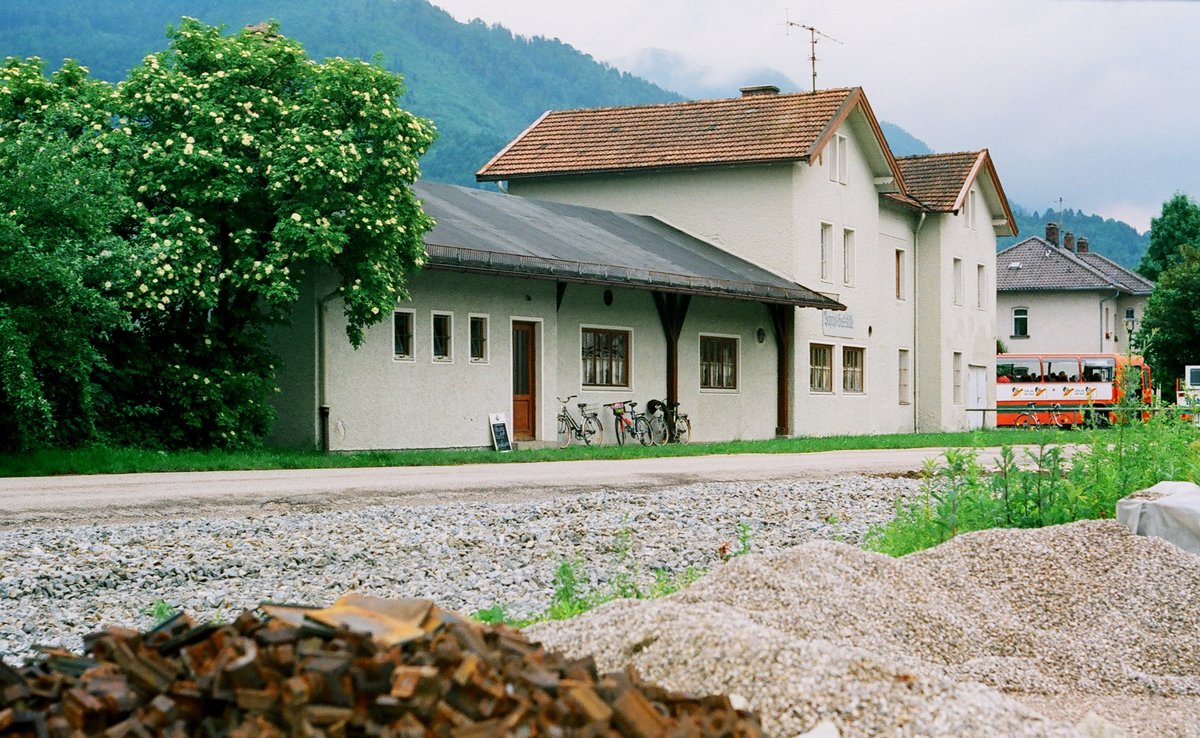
x: 490, y: 232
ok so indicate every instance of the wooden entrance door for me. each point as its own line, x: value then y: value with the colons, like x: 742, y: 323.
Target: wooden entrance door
x: 524, y: 368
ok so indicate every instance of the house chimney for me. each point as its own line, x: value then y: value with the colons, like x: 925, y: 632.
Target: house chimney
x: 1081, y: 246
x: 1069, y: 241
x: 1052, y: 233
x: 759, y: 90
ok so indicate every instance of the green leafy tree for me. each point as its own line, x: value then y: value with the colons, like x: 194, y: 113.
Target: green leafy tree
x: 1178, y: 225
x: 250, y: 164
x: 1170, y: 330
x: 63, y: 266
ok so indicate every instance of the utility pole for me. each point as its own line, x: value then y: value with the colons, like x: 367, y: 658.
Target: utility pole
x: 813, y: 33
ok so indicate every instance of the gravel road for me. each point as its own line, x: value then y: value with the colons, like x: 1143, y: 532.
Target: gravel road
x: 109, y: 498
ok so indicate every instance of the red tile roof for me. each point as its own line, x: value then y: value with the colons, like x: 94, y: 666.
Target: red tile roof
x: 744, y: 130
x: 936, y: 180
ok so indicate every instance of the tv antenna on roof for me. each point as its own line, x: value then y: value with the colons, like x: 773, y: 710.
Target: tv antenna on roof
x: 812, y: 33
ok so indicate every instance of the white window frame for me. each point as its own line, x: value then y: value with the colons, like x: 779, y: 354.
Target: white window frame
x: 904, y: 376
x: 981, y: 290
x: 487, y: 338
x: 848, y: 256
x: 412, y: 338
x: 901, y: 265
x: 737, y: 363
x: 956, y: 376
x: 957, y: 278
x: 1015, y: 317
x: 826, y: 252
x: 433, y: 316
x: 832, y: 348
x: 628, y: 358
x: 837, y: 158
x: 862, y: 369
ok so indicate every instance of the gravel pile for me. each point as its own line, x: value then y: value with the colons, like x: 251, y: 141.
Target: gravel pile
x: 58, y: 583
x: 904, y: 646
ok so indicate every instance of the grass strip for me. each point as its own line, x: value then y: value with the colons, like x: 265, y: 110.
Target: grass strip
x: 103, y: 460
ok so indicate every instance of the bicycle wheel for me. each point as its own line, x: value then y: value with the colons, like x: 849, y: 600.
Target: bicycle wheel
x: 658, y: 430
x: 1027, y: 421
x: 565, y: 431
x: 641, y: 429
x: 619, y: 429
x: 683, y: 430
x: 593, y: 432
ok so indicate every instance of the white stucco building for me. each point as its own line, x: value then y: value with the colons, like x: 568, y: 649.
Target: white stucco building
x: 1065, y: 298
x: 805, y: 186
x: 663, y: 251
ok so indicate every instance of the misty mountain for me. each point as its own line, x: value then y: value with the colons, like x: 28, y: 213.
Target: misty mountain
x: 479, y: 83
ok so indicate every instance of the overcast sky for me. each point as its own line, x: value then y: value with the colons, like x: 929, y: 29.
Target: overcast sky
x: 1093, y: 101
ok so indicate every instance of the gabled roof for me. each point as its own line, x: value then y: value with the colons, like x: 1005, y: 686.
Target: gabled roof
x: 753, y: 129
x: 941, y: 182
x: 1036, y: 264
x: 494, y: 233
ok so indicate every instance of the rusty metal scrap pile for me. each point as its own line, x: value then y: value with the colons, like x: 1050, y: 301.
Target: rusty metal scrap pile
x: 364, y: 667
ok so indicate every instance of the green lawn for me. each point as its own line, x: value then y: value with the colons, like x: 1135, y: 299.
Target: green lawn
x: 115, y: 461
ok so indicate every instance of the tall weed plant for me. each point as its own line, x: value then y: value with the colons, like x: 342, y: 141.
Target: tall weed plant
x: 1048, y: 484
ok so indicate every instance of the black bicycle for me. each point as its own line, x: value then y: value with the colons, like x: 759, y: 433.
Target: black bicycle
x: 589, y: 429
x: 667, y: 423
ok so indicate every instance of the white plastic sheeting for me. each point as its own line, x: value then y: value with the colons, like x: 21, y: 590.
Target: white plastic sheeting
x: 1168, y: 510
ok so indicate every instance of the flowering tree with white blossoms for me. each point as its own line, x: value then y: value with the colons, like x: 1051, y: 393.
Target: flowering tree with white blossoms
x: 250, y: 164
x: 151, y: 233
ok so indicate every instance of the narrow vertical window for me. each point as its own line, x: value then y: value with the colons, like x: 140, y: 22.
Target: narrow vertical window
x: 479, y: 339
x: 981, y: 290
x: 718, y: 363
x: 904, y: 377
x: 958, y: 381
x: 852, y: 369
x: 969, y: 207
x: 402, y: 335
x: 442, y: 336
x: 958, y: 282
x: 1020, y: 319
x: 847, y: 257
x: 899, y: 274
x: 826, y: 252
x: 820, y: 367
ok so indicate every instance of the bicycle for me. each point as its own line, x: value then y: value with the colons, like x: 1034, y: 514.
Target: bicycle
x: 630, y: 423
x: 678, y: 423
x: 1030, y: 418
x: 658, y: 422
x: 589, y: 429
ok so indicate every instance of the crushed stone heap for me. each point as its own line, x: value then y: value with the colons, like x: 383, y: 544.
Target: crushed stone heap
x: 364, y: 667
x: 941, y: 642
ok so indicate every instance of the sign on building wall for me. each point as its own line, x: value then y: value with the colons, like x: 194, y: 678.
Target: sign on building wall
x: 837, y: 323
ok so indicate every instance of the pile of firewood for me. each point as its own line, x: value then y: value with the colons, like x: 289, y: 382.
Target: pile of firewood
x: 364, y: 667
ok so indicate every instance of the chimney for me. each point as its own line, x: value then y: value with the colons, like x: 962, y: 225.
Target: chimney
x: 1052, y: 233
x: 1069, y: 241
x: 759, y: 90
x: 1082, y: 247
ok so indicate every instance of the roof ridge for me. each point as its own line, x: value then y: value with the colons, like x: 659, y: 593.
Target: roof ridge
x: 975, y: 152
x: 700, y: 101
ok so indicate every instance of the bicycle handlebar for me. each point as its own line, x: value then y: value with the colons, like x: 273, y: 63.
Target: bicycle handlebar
x: 572, y: 397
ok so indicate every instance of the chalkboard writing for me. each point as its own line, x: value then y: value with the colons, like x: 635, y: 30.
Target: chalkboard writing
x: 499, y: 432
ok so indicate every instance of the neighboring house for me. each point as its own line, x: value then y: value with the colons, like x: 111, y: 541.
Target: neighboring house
x: 521, y: 302
x: 1065, y: 298
x: 804, y: 186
